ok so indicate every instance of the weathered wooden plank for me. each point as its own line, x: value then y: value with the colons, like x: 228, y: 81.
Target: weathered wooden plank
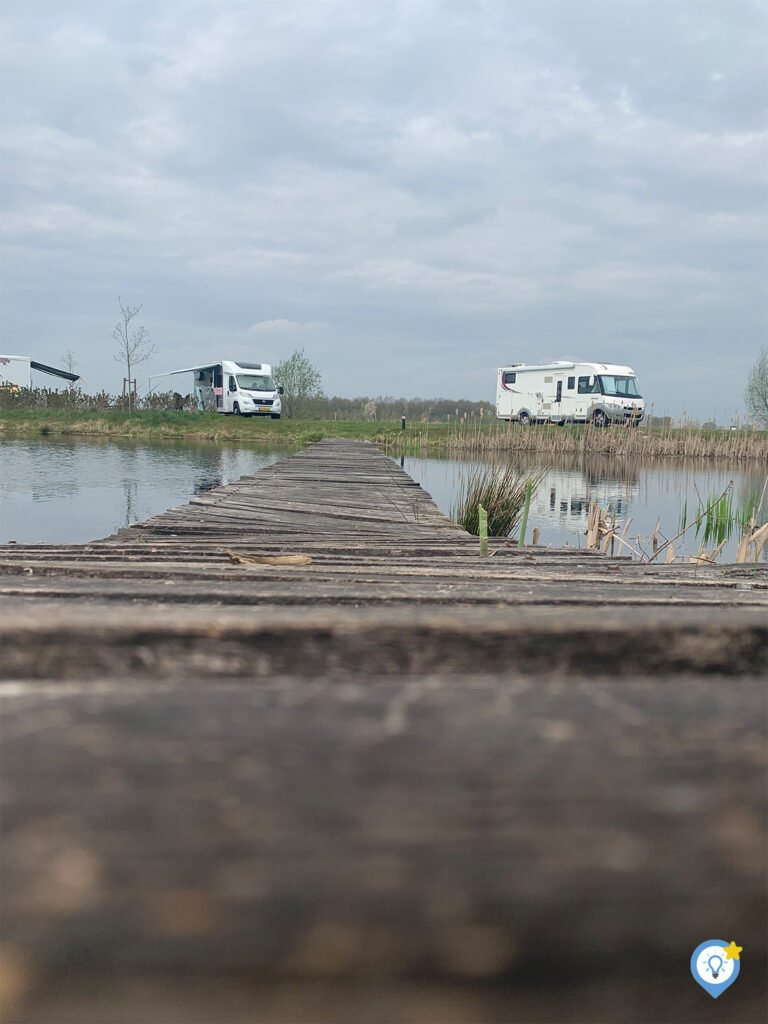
x: 518, y: 845
x: 401, y: 783
x: 608, y: 641
x: 305, y: 584
x: 239, y: 593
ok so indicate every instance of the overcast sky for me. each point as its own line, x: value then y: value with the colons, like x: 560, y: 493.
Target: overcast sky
x: 414, y: 191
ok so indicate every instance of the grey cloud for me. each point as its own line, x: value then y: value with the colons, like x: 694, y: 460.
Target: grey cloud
x: 432, y: 181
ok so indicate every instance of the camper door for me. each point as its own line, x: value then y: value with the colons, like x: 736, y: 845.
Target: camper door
x: 205, y: 390
x: 218, y: 388
x: 568, y: 404
x: 557, y: 398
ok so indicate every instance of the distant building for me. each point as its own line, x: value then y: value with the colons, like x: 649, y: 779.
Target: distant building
x: 16, y: 371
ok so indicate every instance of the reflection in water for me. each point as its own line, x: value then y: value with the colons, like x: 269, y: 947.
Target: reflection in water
x: 641, y: 490
x: 69, y: 491
x: 130, y: 487
x: 208, y: 484
x: 57, y: 490
x: 568, y: 491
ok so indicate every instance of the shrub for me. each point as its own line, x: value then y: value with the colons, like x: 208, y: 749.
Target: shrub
x: 501, y: 492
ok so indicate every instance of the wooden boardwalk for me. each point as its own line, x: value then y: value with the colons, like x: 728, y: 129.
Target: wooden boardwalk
x: 397, y: 783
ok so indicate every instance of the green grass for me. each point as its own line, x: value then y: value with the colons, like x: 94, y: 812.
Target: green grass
x: 199, y: 426
x: 474, y: 438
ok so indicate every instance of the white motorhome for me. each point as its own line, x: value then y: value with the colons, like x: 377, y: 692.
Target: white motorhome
x: 563, y: 392
x: 235, y: 389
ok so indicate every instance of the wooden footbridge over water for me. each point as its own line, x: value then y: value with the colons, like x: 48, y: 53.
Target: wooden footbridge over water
x: 391, y: 781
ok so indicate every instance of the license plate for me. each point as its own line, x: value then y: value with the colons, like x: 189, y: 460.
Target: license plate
x: 264, y: 408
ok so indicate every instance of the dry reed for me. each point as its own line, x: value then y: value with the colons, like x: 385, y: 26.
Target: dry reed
x: 602, y: 533
x: 665, y: 442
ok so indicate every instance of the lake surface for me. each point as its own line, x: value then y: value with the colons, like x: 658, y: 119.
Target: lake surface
x: 645, y: 491
x: 69, y: 491
x: 72, y: 491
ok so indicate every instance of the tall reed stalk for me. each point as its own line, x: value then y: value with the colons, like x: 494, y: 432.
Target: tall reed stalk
x: 718, y: 517
x: 526, y: 510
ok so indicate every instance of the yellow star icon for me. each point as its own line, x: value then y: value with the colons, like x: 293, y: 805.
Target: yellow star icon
x: 732, y: 951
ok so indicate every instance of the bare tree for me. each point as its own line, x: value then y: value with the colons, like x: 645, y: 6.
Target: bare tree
x: 756, y: 391
x: 133, y: 343
x: 69, y: 363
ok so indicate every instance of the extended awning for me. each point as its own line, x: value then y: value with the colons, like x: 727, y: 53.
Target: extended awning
x: 53, y: 371
x: 186, y: 369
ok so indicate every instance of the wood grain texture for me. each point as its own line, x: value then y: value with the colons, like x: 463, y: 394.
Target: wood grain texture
x: 399, y: 783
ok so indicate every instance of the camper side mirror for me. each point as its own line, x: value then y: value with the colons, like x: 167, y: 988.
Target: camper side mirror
x: 280, y: 389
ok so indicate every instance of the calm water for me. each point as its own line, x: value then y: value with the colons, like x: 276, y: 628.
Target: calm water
x: 73, y: 491
x: 643, y: 491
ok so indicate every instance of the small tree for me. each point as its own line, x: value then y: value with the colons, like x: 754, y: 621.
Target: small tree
x: 756, y: 391
x: 133, y: 343
x: 69, y: 363
x: 301, y: 380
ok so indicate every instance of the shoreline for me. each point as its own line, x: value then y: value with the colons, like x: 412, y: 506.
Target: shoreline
x: 471, y: 439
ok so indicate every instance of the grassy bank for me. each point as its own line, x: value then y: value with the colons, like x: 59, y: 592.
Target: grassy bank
x: 188, y: 426
x: 470, y: 439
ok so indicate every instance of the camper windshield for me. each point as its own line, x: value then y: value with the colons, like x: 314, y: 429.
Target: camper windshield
x: 250, y: 382
x: 620, y: 386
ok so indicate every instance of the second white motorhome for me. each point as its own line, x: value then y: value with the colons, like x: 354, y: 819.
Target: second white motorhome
x: 599, y: 393
x: 239, y: 389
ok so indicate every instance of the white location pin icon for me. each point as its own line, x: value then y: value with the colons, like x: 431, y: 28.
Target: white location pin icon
x: 715, y: 965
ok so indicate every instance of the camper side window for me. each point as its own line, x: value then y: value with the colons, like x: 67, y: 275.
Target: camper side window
x: 232, y: 384
x: 585, y: 388
x: 509, y: 378
x: 571, y: 383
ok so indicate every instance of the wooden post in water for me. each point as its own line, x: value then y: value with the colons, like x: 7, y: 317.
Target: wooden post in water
x: 482, y: 516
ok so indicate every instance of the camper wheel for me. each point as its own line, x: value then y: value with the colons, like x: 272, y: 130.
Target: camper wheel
x: 236, y: 409
x: 524, y: 419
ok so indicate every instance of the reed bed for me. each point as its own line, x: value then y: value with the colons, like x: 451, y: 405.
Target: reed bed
x: 664, y: 442
x: 715, y: 520
x: 717, y: 516
x: 475, y: 436
x: 501, y: 490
